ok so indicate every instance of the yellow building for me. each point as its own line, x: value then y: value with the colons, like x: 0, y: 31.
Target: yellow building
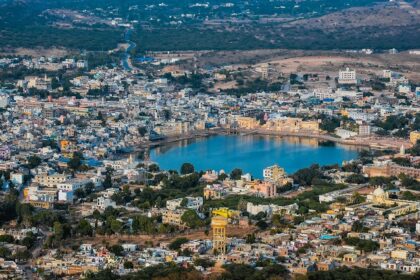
x: 225, y: 212
x: 41, y: 204
x: 394, y: 207
x: 309, y: 126
x: 64, y: 145
x: 51, y: 181
x: 344, y: 113
x: 399, y: 254
x: 247, y: 123
x: 276, y: 175
x: 173, y: 217
x: 25, y: 193
x: 67, y: 148
x: 218, y: 225
x: 292, y: 125
x: 414, y: 137
x: 350, y: 258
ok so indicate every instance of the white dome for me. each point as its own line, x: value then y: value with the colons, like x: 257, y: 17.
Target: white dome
x: 379, y: 192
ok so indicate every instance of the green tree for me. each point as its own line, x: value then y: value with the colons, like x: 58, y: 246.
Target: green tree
x: 410, y: 196
x: 143, y: 224
x: 187, y: 168
x: 262, y: 225
x: 84, y: 228
x: 153, y: 168
x: 191, y: 219
x: 89, y: 188
x: 58, y: 230
x: 329, y: 123
x: 128, y: 265
x: 28, y: 241
x: 34, y: 161
x: 108, y: 178
x: 365, y: 245
x: 184, y: 202
x: 409, y: 182
x: 356, y: 198
x: 236, y: 174
x: 306, y: 176
x: 176, y: 244
x: 22, y: 255
x: 250, y: 238
x: 356, y: 179
x: 359, y: 227
x: 360, y: 273
x: 5, y: 253
x: 222, y: 177
x: 116, y: 226
x: 7, y: 238
x: 142, y: 131
x: 76, y: 161
x: 206, y: 263
x: 402, y: 161
x: 117, y: 249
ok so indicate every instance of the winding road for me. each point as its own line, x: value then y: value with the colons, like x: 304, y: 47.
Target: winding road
x: 125, y: 61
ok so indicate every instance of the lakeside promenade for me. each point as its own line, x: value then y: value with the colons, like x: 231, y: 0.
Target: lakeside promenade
x: 379, y: 143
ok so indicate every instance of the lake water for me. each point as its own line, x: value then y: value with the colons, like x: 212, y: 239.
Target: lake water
x: 251, y: 153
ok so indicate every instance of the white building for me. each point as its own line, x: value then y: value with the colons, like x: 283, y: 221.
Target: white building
x: 361, y: 115
x: 347, y: 77
x: 82, y: 64
x: 17, y: 178
x: 324, y: 93
x: 364, y: 130
x: 104, y: 200
x: 404, y: 88
x: 344, y: 133
x: 129, y: 247
x: 192, y: 203
x: 4, y: 100
x: 254, y: 209
x: 65, y: 196
x: 102, y: 203
x: 45, y: 195
x: 72, y: 185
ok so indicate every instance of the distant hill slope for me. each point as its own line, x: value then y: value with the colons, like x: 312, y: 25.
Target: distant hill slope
x: 211, y: 25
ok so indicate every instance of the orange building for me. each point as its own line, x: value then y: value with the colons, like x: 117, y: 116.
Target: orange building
x: 265, y: 189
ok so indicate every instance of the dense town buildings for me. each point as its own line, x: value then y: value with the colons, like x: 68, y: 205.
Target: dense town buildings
x: 84, y: 159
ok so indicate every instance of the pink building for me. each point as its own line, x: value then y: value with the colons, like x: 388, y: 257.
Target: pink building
x: 264, y: 189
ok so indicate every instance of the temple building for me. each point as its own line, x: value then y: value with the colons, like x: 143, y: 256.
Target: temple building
x: 379, y: 201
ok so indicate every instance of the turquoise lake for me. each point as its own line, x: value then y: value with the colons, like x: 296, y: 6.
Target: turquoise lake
x: 251, y: 153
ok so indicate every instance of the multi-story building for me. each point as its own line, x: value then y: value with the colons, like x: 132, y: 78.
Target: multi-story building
x: 347, y: 77
x: 293, y: 125
x: 263, y: 189
x: 364, y: 130
x: 273, y: 173
x: 104, y: 202
x: 247, y: 122
x: 215, y: 191
x: 72, y: 184
x: 173, y: 217
x: 44, y: 195
x: 51, y: 181
x: 191, y: 203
